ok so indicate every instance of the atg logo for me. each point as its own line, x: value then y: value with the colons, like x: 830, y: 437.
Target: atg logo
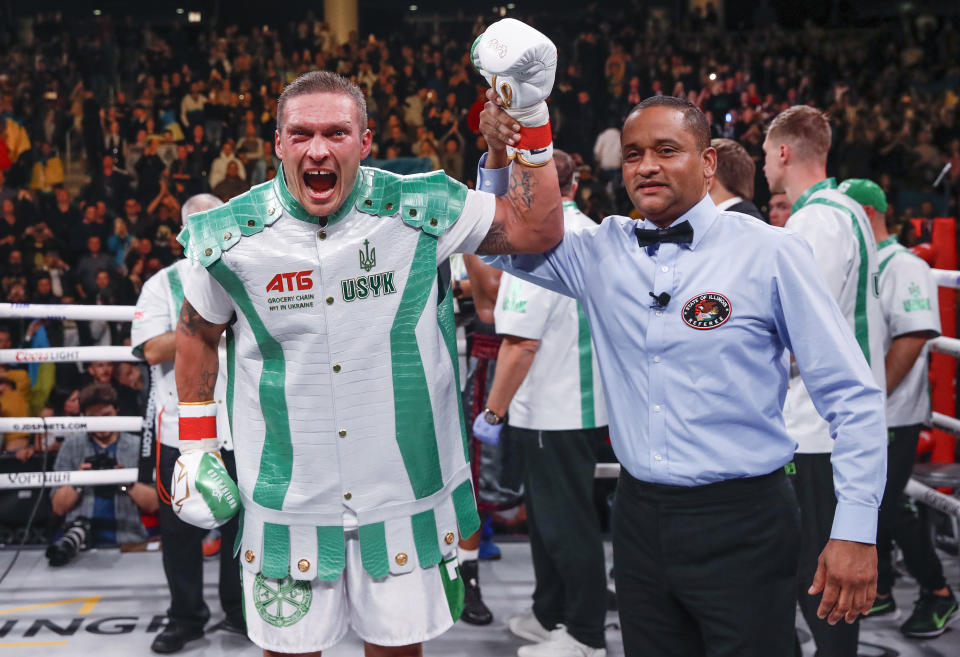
x: 290, y: 282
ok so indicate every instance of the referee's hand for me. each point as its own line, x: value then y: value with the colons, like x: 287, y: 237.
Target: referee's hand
x: 847, y: 576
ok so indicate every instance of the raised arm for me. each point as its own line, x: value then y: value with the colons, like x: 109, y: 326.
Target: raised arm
x: 196, y: 362
x: 520, y: 64
x: 529, y: 219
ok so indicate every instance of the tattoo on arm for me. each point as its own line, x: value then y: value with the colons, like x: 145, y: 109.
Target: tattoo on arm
x: 207, y: 382
x: 521, y: 188
x: 496, y: 242
x: 190, y: 319
x: 521, y: 197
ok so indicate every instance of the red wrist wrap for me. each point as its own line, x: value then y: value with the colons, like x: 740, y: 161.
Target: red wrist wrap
x: 533, y: 139
x: 198, y: 428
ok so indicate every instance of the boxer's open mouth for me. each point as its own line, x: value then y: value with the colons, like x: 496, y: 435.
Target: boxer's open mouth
x: 319, y: 183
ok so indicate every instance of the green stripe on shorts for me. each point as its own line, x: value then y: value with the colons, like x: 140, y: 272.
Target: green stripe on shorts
x: 452, y: 586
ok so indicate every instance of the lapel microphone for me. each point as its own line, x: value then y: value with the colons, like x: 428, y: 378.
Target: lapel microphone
x: 661, y: 300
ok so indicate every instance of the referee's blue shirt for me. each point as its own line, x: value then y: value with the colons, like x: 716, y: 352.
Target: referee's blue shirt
x: 695, y: 389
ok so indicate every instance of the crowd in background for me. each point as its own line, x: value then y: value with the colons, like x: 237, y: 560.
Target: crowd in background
x: 151, y: 114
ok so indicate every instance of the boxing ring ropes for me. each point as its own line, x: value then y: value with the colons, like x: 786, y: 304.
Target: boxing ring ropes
x: 945, y: 347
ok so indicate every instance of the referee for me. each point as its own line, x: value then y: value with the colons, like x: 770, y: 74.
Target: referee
x: 692, y: 311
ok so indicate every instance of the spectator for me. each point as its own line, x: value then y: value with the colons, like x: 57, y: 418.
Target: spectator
x: 87, y: 268
x: 606, y: 152
x: 110, y: 186
x: 251, y: 144
x: 451, y: 159
x: 113, y: 511
x: 36, y: 240
x: 201, y: 152
x: 232, y: 184
x: 192, y: 106
x: 64, y: 215
x: 15, y: 273
x: 185, y: 173
x: 58, y: 271
x: 10, y: 227
x: 218, y: 169
x: 115, y: 145
x: 14, y: 402
x: 118, y: 244
x: 167, y: 149
x: 135, y: 151
x: 43, y: 290
x: 150, y: 169
x: 267, y: 160
x: 47, y: 170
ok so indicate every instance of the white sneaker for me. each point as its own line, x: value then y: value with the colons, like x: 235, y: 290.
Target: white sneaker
x: 529, y: 628
x: 560, y: 644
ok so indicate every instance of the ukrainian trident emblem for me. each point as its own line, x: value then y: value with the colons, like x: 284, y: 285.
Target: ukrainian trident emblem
x: 368, y: 259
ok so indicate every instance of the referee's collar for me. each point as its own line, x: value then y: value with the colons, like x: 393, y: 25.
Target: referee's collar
x: 701, y: 218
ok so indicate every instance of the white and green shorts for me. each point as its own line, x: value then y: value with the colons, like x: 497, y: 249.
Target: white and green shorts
x: 292, y: 616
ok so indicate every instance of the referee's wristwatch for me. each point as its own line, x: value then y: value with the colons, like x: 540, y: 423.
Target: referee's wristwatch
x: 491, y: 417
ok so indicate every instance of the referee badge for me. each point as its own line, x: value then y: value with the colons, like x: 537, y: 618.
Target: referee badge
x: 706, y: 311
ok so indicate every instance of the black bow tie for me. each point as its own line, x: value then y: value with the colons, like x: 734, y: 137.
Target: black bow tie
x: 682, y: 233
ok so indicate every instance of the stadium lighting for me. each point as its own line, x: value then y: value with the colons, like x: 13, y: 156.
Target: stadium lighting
x: 180, y: 10
x: 511, y: 5
x: 413, y: 7
x: 713, y: 76
x: 194, y: 17
x: 97, y: 12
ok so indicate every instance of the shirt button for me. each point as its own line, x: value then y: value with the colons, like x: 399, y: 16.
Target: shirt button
x: 659, y: 313
x: 322, y: 234
x: 347, y: 495
x: 656, y: 409
x: 336, y: 368
x: 664, y: 269
x: 342, y: 433
x: 657, y: 457
x: 329, y: 301
x: 656, y: 359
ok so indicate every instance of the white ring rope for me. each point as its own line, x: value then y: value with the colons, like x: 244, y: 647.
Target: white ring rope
x: 56, y: 479
x: 68, y: 355
x: 946, y: 278
x: 607, y: 471
x: 933, y: 498
x: 68, y: 311
x: 946, y: 423
x: 945, y: 345
x: 66, y: 424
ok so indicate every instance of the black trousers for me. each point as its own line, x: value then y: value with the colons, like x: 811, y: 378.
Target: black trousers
x: 706, y: 570
x: 899, y: 521
x: 183, y: 557
x: 565, y: 540
x: 813, y: 483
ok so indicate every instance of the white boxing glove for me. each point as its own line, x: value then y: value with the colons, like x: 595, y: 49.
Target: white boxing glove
x: 520, y: 63
x: 202, y: 492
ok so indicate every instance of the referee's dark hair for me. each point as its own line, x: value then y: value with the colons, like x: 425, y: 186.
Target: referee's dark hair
x: 735, y: 168
x: 695, y: 120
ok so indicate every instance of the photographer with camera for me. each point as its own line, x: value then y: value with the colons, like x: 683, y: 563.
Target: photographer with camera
x: 99, y: 515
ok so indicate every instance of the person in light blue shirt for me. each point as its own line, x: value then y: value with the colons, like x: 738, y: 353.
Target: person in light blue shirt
x: 692, y: 312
